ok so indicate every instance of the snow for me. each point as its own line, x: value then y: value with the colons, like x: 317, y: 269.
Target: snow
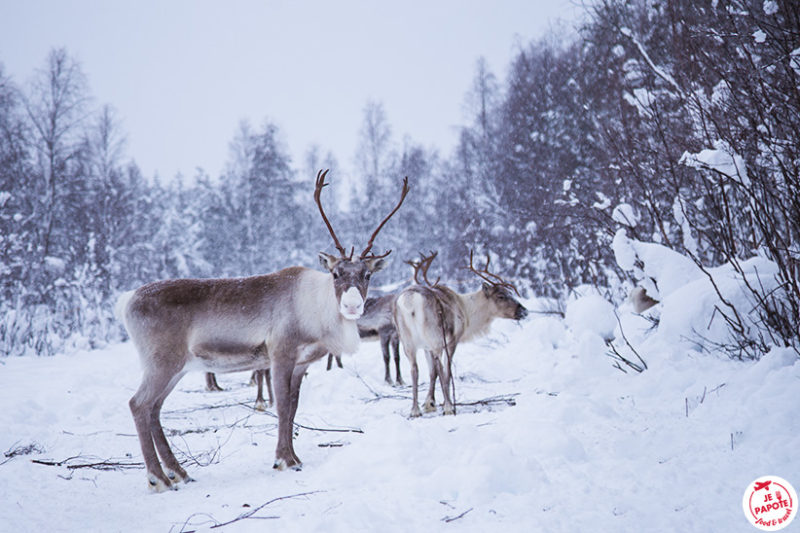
x: 679, y: 213
x: 603, y: 201
x: 770, y: 7
x: 721, y: 159
x: 794, y: 60
x: 548, y: 435
x: 625, y: 215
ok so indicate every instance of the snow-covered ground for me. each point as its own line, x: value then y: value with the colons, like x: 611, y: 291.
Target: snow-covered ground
x: 548, y: 437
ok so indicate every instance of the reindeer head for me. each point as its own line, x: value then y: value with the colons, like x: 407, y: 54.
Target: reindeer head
x: 351, y: 276
x: 498, y: 295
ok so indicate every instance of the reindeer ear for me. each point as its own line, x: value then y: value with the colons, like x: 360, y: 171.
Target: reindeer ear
x: 487, y: 289
x: 374, y: 264
x: 328, y: 261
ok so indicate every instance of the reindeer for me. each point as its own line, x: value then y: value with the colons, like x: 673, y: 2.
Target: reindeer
x: 377, y: 323
x: 641, y: 300
x: 436, y: 318
x: 283, y: 321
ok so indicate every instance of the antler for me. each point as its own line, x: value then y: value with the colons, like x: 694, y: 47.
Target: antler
x: 320, y: 184
x: 422, y: 266
x: 491, y: 279
x: 375, y: 233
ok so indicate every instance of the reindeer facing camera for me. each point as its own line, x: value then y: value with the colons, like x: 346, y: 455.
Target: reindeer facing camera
x: 283, y: 321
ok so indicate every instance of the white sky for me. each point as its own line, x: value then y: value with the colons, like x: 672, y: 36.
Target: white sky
x: 183, y: 74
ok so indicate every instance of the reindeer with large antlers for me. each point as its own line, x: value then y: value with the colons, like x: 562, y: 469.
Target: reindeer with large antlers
x: 283, y: 321
x: 435, y: 318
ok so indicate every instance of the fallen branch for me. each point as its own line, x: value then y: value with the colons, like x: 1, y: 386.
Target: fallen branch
x: 507, y: 399
x: 107, y: 464
x: 334, y: 444
x: 377, y: 395
x: 15, y: 450
x: 449, y: 519
x: 244, y: 516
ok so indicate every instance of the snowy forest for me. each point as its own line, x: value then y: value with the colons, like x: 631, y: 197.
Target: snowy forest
x: 674, y: 124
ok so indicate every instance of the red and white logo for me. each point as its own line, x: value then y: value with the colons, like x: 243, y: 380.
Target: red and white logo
x: 770, y: 503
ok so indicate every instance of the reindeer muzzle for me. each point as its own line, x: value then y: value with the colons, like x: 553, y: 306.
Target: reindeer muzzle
x: 351, y: 305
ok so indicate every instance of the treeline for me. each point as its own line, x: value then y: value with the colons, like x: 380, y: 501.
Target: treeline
x: 688, y: 112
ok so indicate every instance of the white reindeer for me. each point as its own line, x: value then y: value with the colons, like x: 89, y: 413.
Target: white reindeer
x: 283, y: 321
x: 436, y: 319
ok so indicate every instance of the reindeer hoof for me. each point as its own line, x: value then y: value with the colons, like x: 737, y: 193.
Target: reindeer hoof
x: 449, y: 410
x: 260, y: 406
x: 281, y: 464
x: 177, y: 477
x: 429, y: 408
x: 415, y: 412
x: 399, y: 383
x: 159, y: 485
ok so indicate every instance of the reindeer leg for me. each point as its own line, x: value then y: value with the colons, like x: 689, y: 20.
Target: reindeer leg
x: 268, y: 382
x: 211, y: 383
x: 387, y: 377
x: 297, y: 379
x: 396, y: 347
x: 447, y: 379
x: 330, y: 361
x: 433, y: 367
x: 339, y: 360
x: 411, y: 353
x: 282, y: 382
x: 260, y: 405
x: 154, y: 385
x: 175, y: 471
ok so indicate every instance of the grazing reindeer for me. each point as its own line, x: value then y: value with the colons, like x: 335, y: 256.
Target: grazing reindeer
x: 436, y: 318
x: 283, y: 321
x: 377, y: 323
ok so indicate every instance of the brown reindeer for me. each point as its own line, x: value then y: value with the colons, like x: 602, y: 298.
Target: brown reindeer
x: 435, y: 318
x: 283, y: 321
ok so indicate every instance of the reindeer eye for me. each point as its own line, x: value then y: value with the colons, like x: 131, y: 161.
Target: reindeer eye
x: 335, y: 275
x: 368, y: 274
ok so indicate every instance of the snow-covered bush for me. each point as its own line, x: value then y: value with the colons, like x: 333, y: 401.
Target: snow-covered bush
x: 721, y: 307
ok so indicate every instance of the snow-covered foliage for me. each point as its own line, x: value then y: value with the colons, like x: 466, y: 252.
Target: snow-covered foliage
x: 650, y: 121
x: 696, y: 305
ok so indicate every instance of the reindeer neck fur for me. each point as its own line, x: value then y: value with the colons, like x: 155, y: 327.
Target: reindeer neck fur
x: 478, y: 319
x: 319, y: 316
